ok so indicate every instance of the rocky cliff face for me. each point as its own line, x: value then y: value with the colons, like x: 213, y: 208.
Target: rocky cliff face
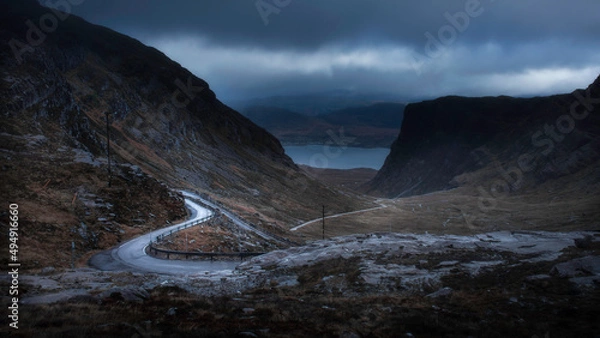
x: 79, y: 72
x: 524, y: 142
x: 62, y: 77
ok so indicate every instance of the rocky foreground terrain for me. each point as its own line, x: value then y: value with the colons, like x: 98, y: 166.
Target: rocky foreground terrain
x: 526, y: 284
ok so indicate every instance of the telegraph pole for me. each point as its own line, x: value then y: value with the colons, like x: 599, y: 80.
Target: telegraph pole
x: 108, y: 146
x: 73, y: 255
x: 323, y: 221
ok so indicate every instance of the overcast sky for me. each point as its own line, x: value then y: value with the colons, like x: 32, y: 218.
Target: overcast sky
x: 413, y: 48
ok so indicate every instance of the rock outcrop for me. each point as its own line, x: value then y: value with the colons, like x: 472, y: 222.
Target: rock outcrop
x: 542, y: 137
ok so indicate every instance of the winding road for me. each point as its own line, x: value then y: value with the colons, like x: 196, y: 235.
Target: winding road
x: 131, y: 255
x: 236, y: 220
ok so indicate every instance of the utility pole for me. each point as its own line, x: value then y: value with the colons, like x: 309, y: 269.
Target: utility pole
x: 323, y: 221
x: 72, y: 255
x: 239, y: 235
x: 108, y: 146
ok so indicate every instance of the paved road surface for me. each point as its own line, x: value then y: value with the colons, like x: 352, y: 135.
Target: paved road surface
x: 236, y: 220
x: 131, y: 256
x: 381, y: 206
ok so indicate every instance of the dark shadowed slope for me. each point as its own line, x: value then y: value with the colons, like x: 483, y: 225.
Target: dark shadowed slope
x: 450, y: 136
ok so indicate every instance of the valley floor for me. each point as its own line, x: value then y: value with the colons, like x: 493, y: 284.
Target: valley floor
x: 423, y: 266
x: 458, y: 211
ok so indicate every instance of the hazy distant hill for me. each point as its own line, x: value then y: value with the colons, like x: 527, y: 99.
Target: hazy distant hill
x: 379, y: 115
x: 317, y: 103
x: 375, y: 125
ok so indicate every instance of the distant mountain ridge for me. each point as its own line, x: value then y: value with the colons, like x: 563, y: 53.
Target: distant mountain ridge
x: 369, y: 126
x: 313, y: 104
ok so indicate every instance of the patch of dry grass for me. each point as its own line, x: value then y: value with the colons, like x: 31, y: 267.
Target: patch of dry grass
x: 61, y: 202
x: 457, y: 212
x: 217, y: 235
x: 477, y: 311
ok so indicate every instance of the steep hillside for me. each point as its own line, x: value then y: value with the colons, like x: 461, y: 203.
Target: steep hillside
x: 456, y: 141
x: 58, y: 88
x: 374, y: 125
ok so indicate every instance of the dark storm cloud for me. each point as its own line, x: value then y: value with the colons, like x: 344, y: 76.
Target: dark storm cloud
x: 414, y: 48
x: 310, y: 24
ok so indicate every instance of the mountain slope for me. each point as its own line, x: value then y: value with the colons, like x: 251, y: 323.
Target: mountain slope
x: 442, y: 139
x: 164, y: 124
